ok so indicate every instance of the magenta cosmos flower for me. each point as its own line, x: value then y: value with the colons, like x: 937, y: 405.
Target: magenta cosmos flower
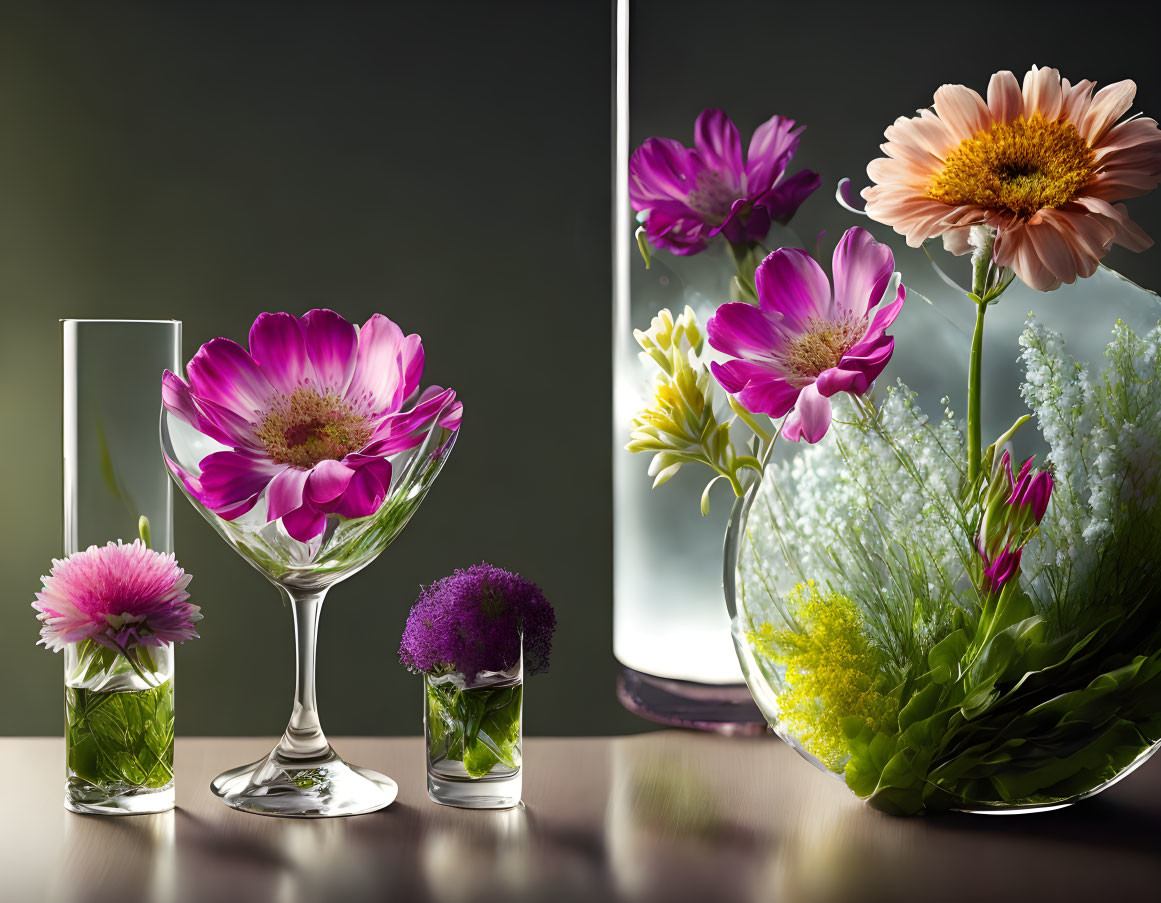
x: 1045, y: 164
x: 687, y: 196
x: 311, y: 414
x: 120, y: 596
x: 803, y: 343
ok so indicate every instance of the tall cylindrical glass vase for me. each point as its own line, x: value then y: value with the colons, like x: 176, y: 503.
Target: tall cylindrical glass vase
x: 671, y: 633
x: 119, y: 707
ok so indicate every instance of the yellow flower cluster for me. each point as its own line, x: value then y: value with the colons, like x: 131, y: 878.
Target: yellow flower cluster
x: 679, y: 427
x: 830, y: 672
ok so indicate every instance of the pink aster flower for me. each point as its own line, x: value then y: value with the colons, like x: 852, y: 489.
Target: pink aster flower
x: 1013, y: 507
x: 1045, y: 165
x: 120, y: 596
x: 311, y: 416
x: 804, y: 343
x: 686, y: 196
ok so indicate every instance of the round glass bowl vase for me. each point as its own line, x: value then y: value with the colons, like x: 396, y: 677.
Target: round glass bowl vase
x: 303, y: 776
x: 863, y: 629
x: 1030, y: 756
x: 473, y: 734
x: 118, y: 729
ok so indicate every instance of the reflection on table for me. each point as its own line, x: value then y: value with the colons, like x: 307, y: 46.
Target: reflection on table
x: 662, y: 816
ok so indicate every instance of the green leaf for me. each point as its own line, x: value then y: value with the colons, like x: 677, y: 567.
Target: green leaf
x: 945, y: 657
x: 480, y: 727
x: 120, y: 740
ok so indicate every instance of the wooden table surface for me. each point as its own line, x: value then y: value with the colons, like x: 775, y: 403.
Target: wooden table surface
x: 662, y: 816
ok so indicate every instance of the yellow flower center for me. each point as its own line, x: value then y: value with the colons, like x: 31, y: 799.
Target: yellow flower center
x: 305, y: 427
x: 822, y: 345
x: 1020, y: 167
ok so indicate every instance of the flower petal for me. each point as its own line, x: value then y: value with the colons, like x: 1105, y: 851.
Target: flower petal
x: 742, y: 330
x: 784, y: 199
x: 772, y: 396
x: 1108, y: 105
x: 859, y: 368
x: 377, y: 373
x: 734, y: 376
x: 326, y: 482
x: 223, y: 372
x: 179, y: 401
x: 407, y: 429
x: 886, y: 315
x: 963, y: 110
x: 368, y: 488
x: 679, y: 235
x: 772, y: 145
x: 285, y: 492
x: 230, y: 477
x: 279, y: 347
x: 411, y: 360
x: 789, y: 282
x: 811, y: 417
x: 1042, y: 93
x: 862, y: 269
x: 304, y: 523
x: 717, y: 141
x: 660, y: 170
x: 332, y: 344
x: 1004, y: 98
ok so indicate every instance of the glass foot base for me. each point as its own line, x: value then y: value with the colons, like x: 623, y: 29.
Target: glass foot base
x: 90, y: 800
x: 304, y: 788
x: 724, y: 709
x: 482, y: 793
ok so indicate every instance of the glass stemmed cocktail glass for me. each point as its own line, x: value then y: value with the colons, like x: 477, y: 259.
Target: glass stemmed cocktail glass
x: 303, y: 776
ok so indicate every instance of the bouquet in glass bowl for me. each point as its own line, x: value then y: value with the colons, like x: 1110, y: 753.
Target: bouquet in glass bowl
x: 940, y: 624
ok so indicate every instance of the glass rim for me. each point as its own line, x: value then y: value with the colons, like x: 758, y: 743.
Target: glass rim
x: 64, y: 320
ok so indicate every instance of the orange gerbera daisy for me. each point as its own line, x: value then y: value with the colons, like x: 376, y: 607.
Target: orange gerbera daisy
x: 1044, y: 166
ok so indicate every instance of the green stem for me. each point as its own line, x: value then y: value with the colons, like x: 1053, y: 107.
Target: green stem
x: 735, y: 483
x: 981, y: 263
x: 975, y: 379
x: 133, y: 664
x: 744, y: 257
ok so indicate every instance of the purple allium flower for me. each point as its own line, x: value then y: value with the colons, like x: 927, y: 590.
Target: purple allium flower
x: 686, y: 196
x: 1014, y: 505
x: 311, y: 415
x: 804, y: 343
x: 120, y: 596
x: 472, y: 620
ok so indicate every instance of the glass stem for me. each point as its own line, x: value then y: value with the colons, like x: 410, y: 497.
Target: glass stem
x: 304, y: 738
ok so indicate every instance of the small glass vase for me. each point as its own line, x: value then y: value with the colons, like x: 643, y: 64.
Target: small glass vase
x: 473, y: 732
x: 118, y: 729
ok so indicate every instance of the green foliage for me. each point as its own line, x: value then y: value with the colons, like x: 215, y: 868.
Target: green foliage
x: 1012, y: 715
x: 479, y: 727
x: 120, y: 740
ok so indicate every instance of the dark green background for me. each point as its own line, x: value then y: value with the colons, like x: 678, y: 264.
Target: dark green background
x: 448, y: 165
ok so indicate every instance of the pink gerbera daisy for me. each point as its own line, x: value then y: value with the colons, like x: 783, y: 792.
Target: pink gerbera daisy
x: 1044, y: 165
x: 120, y: 596
x: 310, y: 416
